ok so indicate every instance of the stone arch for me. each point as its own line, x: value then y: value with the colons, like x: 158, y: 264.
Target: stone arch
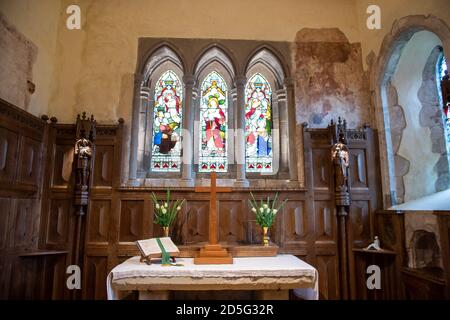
x: 225, y: 69
x: 380, y: 81
x: 270, y: 68
x: 214, y: 53
x: 160, y: 58
x: 162, y: 51
x: 270, y: 59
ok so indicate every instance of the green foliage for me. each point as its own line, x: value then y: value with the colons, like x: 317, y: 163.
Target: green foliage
x: 166, y: 211
x: 265, y: 211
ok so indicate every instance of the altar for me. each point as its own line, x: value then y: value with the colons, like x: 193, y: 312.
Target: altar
x: 270, y: 277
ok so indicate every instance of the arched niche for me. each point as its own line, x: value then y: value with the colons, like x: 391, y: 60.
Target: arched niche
x: 392, y: 121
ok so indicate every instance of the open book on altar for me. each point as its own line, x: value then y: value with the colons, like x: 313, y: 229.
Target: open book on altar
x: 157, y: 248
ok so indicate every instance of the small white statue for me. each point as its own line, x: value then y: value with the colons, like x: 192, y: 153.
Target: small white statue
x: 375, y: 245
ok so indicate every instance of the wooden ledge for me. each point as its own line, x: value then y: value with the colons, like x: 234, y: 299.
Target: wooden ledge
x: 38, y: 253
x: 382, y: 251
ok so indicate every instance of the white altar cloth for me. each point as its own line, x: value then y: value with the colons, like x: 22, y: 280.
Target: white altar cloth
x: 282, y: 271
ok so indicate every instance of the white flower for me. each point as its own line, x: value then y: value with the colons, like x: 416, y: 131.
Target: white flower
x: 261, y: 209
x: 164, y: 210
x: 268, y: 210
x: 165, y: 204
x: 275, y: 211
x: 254, y: 210
x: 265, y: 206
x: 178, y: 208
x: 157, y: 206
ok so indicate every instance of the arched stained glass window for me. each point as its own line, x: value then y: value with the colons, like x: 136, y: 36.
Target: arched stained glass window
x: 258, y: 125
x: 167, y: 121
x: 442, y: 71
x: 442, y: 67
x: 214, y: 124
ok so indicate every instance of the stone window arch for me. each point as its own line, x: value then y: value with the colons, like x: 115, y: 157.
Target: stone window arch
x: 142, y: 154
x: 214, y: 60
x: 236, y: 62
x: 265, y: 63
x: 395, y: 116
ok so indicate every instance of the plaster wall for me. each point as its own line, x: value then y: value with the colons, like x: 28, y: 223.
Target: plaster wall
x: 91, y: 69
x: 392, y: 10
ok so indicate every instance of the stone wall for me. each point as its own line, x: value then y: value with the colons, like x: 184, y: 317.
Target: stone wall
x: 37, y: 22
x: 17, y: 57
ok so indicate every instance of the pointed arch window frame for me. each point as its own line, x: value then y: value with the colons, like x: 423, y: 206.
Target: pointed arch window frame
x: 172, y: 119
x: 217, y: 131
x: 259, y: 118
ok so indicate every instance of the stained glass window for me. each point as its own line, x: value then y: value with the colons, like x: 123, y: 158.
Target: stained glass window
x: 167, y: 121
x: 442, y: 69
x: 258, y: 125
x: 214, y: 124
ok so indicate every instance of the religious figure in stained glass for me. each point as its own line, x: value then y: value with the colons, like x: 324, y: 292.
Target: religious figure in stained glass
x: 167, y: 117
x: 214, y: 126
x: 258, y: 124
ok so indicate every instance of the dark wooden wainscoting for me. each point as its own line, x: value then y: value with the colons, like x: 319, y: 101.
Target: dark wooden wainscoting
x: 25, y: 270
x: 37, y: 213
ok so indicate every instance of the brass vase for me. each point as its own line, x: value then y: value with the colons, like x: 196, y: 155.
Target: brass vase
x: 166, y: 231
x: 265, y: 236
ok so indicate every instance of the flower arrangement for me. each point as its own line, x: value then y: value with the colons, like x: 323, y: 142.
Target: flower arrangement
x: 265, y: 211
x: 166, y: 211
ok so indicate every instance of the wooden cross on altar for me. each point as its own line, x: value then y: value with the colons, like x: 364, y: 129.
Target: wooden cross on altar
x: 213, y: 253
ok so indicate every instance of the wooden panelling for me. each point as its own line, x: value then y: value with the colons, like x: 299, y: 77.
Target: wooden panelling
x: 104, y: 164
x: 58, y: 224
x: 296, y: 224
x: 98, y: 221
x: 327, y: 267
x: 62, y: 169
x: 8, y: 155
x: 358, y: 169
x: 131, y: 220
x: 325, y: 221
x: 117, y: 216
x: 359, y: 220
x: 321, y: 168
x: 5, y: 214
x: 29, y: 161
x: 196, y: 221
x: 96, y: 273
x: 232, y: 221
x: 24, y: 223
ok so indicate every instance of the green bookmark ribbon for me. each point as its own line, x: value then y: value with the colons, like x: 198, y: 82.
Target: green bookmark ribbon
x: 165, y: 261
x: 165, y: 256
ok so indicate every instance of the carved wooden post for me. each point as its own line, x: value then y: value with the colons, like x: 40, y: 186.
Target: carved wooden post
x: 84, y: 150
x: 340, y: 158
